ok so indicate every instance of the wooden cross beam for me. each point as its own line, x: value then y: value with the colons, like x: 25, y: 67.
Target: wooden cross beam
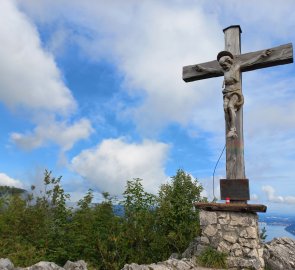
x: 230, y: 64
x: 280, y: 55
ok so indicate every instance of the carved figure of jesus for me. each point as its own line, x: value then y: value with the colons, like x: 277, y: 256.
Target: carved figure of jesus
x: 233, y: 98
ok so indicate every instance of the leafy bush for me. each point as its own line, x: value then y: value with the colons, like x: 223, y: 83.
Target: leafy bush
x: 212, y: 258
x: 41, y: 226
x: 177, y: 218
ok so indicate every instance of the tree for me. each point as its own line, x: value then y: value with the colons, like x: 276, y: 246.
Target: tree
x: 177, y: 218
x: 41, y: 227
x: 139, y: 231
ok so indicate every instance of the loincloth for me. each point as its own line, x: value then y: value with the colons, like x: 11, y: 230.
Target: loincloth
x: 238, y: 93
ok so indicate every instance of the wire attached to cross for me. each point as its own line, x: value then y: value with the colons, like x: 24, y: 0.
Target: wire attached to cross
x: 215, y: 170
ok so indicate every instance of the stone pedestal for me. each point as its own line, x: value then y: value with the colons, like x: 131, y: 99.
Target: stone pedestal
x: 235, y: 233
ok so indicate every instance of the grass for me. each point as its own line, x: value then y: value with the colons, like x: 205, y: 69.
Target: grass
x: 212, y: 258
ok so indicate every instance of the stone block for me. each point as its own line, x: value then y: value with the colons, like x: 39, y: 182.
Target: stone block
x: 210, y: 230
x: 253, y: 253
x: 207, y: 218
x: 243, y: 233
x: 230, y: 237
x: 250, y: 243
x: 235, y: 246
x: 204, y: 240
x: 238, y: 253
x: 223, y: 215
x: 260, y: 252
x: 229, y: 228
x: 234, y: 222
x: 215, y: 240
x: 252, y: 233
x: 223, y: 221
x: 247, y: 221
x: 223, y: 247
x: 246, y: 250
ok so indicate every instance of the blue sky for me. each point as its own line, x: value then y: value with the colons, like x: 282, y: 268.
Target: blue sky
x: 93, y: 91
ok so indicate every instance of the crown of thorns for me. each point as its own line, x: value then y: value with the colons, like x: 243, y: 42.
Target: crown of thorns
x: 224, y: 53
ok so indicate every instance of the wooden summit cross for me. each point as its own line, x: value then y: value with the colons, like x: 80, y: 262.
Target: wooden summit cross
x: 230, y: 64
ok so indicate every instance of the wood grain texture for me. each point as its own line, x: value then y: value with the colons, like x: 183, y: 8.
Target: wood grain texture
x: 189, y: 73
x: 235, y: 164
x: 280, y: 55
x: 232, y: 207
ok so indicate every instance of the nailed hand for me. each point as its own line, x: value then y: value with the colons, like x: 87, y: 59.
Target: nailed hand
x: 266, y: 53
x: 199, y: 68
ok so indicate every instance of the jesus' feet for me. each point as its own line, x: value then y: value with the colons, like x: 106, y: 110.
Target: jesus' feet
x: 232, y: 134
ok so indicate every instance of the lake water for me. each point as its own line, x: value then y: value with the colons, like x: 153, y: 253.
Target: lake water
x: 273, y: 231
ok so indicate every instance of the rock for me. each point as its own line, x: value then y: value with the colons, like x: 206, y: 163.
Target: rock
x: 79, y: 265
x: 175, y: 256
x: 44, y: 266
x: 223, y: 247
x: 184, y: 264
x: 240, y: 263
x: 280, y: 254
x: 250, y: 243
x: 231, y: 238
x: 235, y: 246
x: 208, y: 218
x: 192, y: 249
x: 250, y: 233
x: 246, y: 219
x: 238, y: 253
x: 210, y: 230
x: 6, y: 264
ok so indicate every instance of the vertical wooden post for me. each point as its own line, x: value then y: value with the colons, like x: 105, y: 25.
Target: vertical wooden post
x: 235, y: 165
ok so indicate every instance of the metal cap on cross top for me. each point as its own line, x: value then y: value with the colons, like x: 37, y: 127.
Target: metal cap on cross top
x: 233, y: 26
x: 236, y: 186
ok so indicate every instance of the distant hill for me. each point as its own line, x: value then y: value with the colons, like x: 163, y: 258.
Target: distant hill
x: 5, y: 191
x: 291, y: 229
x: 277, y: 219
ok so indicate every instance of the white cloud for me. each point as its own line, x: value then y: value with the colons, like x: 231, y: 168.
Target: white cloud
x: 61, y: 133
x: 150, y: 53
x: 5, y: 180
x: 109, y: 165
x: 31, y: 80
x: 29, y: 76
x: 272, y: 197
x: 256, y: 14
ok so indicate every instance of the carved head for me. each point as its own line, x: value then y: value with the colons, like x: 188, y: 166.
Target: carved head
x: 225, y: 60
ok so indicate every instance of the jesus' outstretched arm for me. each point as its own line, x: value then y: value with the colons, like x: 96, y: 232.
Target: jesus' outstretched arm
x: 261, y: 56
x: 200, y: 68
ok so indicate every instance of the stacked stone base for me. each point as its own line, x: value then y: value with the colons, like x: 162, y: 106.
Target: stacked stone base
x: 234, y: 233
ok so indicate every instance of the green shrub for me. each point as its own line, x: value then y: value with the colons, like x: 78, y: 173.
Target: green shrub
x: 41, y: 227
x: 262, y: 234
x: 178, y: 220
x: 212, y: 258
